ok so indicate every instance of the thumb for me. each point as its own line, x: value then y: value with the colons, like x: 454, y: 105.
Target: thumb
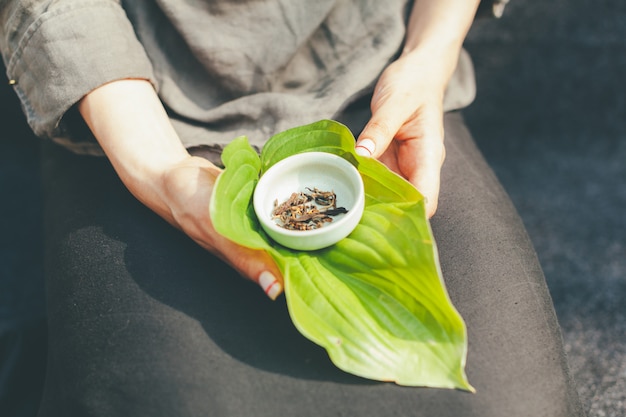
x: 270, y: 284
x: 260, y: 267
x: 378, y: 133
x: 254, y: 264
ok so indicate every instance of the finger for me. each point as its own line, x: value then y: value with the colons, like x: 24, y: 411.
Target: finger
x: 427, y: 180
x: 379, y: 131
x: 429, y: 154
x: 420, y: 164
x: 259, y: 266
x: 256, y: 265
x: 253, y: 264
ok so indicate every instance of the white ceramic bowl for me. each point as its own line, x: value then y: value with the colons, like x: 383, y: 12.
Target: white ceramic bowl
x: 325, y: 171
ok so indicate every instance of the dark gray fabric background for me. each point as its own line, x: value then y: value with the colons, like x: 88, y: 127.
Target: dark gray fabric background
x: 550, y: 119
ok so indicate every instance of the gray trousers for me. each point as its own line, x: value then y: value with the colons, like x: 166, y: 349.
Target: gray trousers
x: 142, y: 322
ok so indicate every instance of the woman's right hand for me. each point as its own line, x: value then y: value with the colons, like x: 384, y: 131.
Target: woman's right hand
x: 130, y: 123
x: 187, y: 188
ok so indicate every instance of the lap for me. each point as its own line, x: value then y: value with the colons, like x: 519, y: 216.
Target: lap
x: 144, y: 322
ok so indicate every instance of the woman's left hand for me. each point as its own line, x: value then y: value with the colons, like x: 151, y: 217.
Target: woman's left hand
x: 406, y: 128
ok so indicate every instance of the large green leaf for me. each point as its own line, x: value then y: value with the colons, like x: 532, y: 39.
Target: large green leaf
x: 376, y: 300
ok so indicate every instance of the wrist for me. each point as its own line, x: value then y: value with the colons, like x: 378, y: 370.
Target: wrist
x: 175, y: 185
x: 424, y: 71
x: 132, y: 127
x: 436, y: 32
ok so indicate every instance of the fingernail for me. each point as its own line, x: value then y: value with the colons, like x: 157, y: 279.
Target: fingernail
x: 270, y: 284
x: 365, y: 147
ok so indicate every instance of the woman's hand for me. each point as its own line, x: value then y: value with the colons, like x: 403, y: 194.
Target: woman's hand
x: 134, y: 131
x: 406, y: 128
x: 187, y: 187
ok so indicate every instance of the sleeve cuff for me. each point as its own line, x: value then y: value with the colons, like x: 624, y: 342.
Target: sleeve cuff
x: 67, y: 52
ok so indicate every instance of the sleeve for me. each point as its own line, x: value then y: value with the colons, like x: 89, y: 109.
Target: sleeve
x: 57, y: 51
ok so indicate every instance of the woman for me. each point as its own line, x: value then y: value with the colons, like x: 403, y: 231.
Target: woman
x: 142, y: 321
